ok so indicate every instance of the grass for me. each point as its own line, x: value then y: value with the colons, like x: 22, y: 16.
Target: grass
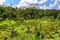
x: 45, y: 25
x: 7, y: 22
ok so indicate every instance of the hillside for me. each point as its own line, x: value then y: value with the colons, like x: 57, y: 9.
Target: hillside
x: 29, y: 24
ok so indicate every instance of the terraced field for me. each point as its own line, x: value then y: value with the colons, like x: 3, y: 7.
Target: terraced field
x: 29, y: 24
x: 33, y: 29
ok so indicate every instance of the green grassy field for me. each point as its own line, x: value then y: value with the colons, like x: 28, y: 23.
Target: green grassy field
x: 32, y: 29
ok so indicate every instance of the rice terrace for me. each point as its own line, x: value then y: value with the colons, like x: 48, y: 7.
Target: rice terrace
x: 29, y: 22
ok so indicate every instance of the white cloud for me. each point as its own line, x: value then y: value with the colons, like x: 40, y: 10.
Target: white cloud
x: 26, y: 2
x: 44, y: 7
x: 58, y: 0
x: 59, y: 7
x: 51, y: 5
x: 1, y: 1
x: 54, y: 4
x: 42, y: 1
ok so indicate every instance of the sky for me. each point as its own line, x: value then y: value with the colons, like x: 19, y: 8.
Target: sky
x: 42, y: 4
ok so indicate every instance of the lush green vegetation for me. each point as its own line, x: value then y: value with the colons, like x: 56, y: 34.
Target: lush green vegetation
x: 29, y: 24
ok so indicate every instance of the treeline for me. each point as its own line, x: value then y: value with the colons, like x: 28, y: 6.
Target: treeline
x: 28, y: 13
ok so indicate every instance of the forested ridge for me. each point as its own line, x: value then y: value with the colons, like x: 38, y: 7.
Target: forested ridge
x: 29, y: 24
x: 28, y: 13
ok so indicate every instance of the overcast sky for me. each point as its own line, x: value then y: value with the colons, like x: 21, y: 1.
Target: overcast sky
x: 43, y: 4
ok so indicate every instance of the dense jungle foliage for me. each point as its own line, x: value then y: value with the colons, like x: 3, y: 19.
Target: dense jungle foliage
x: 29, y: 24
